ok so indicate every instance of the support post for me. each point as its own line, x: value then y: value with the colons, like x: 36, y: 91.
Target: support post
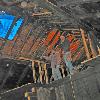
x: 40, y: 71
x: 34, y: 72
x: 46, y: 73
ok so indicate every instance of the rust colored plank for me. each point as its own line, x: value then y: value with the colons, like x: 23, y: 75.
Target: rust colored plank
x: 50, y: 36
x: 85, y: 44
x: 74, y: 46
x: 53, y: 43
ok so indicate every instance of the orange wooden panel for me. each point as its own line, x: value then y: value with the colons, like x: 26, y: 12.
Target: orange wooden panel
x: 74, y: 46
x: 53, y: 42
x: 50, y: 36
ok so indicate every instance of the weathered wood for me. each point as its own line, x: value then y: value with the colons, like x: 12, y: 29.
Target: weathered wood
x: 85, y: 44
x: 21, y: 40
x: 46, y: 74
x: 34, y: 72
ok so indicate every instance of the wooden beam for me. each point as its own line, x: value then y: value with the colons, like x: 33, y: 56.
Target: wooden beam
x: 90, y: 59
x: 34, y: 72
x: 23, y: 58
x: 70, y: 29
x: 85, y: 44
x: 56, y: 10
x: 41, y: 14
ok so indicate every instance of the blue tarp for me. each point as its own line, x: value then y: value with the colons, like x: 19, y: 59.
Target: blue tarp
x: 6, y: 21
x: 15, y: 29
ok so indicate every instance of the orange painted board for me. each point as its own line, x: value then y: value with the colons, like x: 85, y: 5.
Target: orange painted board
x: 74, y: 46
x: 53, y: 42
x: 50, y: 36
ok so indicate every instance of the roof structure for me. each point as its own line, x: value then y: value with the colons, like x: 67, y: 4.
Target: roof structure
x: 43, y: 22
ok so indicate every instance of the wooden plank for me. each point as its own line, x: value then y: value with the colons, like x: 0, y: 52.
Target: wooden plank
x: 74, y: 46
x: 35, y: 46
x: 53, y: 43
x: 27, y: 46
x: 85, y: 44
x: 50, y: 36
x: 21, y: 40
x: 38, y: 44
x: 41, y: 14
x: 88, y: 60
x: 8, y: 47
x: 77, y: 56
